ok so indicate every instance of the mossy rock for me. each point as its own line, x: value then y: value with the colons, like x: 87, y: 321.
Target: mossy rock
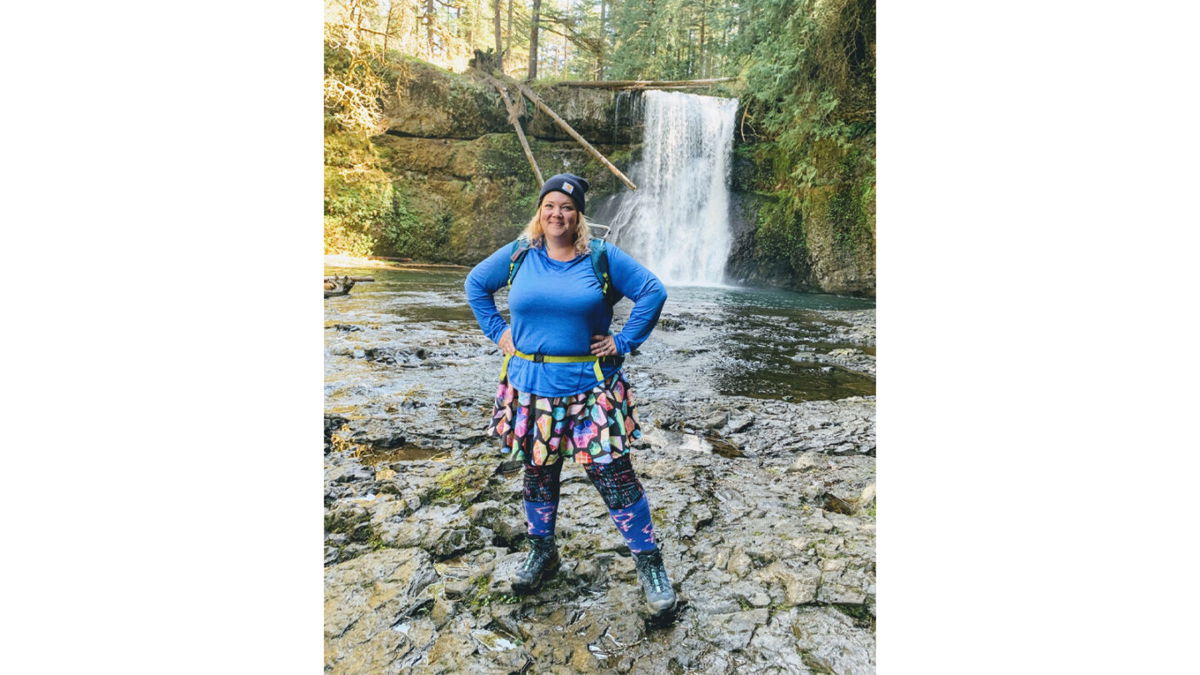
x: 590, y: 112
x: 431, y: 102
x: 461, y: 484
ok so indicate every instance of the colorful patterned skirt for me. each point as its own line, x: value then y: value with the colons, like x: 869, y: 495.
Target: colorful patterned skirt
x: 595, y: 426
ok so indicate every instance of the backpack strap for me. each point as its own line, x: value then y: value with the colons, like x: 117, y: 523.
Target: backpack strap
x: 599, y: 258
x: 520, y: 248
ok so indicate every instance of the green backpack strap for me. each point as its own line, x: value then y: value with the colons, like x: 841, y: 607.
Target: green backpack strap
x: 520, y: 248
x: 600, y: 267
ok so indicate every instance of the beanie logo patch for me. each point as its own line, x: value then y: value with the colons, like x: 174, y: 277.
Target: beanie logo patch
x: 568, y: 188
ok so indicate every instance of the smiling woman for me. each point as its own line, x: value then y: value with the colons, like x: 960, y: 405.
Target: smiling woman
x: 564, y: 394
x: 559, y: 220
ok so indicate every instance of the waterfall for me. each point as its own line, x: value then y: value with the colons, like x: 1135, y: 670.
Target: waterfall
x: 677, y: 222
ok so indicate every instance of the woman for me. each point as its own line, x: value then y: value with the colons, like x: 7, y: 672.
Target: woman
x: 561, y: 391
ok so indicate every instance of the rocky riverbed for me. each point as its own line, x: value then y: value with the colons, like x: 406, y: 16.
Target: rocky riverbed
x: 765, y: 509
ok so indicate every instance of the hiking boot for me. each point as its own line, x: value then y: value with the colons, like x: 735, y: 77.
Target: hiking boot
x: 659, y: 594
x: 541, y: 564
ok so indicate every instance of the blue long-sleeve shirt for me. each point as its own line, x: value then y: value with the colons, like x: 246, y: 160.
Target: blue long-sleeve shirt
x: 556, y: 306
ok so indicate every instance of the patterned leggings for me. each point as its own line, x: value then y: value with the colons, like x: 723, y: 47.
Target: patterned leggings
x: 616, y: 481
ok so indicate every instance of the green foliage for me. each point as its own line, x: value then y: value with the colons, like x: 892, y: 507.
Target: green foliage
x: 357, y: 196
x: 847, y: 209
x: 670, y: 39
x: 800, y: 84
x: 809, y: 73
x: 407, y: 235
x: 861, y: 614
x: 780, y: 235
x: 367, y: 213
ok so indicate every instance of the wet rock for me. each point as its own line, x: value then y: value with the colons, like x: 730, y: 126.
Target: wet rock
x: 770, y: 546
x: 740, y: 424
x: 829, y: 639
x: 348, y: 472
x: 866, y: 498
x: 716, y: 420
x: 734, y: 631
x: 504, y: 572
x: 332, y: 424
x: 836, y: 504
x: 831, y: 427
x: 350, y: 520
x: 805, y: 462
x: 364, y: 599
x: 484, y: 514
x: 799, y: 581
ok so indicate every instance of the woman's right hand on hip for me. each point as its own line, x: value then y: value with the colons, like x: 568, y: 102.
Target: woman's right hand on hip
x: 506, y: 343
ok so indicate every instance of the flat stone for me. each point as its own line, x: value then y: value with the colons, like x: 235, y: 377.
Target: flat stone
x: 733, y: 631
x: 366, y: 596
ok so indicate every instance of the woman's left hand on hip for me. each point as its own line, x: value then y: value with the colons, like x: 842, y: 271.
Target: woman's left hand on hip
x: 602, y: 345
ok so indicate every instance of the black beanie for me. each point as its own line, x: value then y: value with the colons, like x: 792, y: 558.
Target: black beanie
x: 570, y: 185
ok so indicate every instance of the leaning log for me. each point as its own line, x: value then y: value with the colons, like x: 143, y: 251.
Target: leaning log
x: 515, y: 118
x: 572, y: 133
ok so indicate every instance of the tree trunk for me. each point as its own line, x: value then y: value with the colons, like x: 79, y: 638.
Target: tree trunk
x: 533, y: 37
x: 499, y: 45
x: 514, y: 116
x: 387, y: 29
x: 477, y: 27
x: 603, y: 40
x: 508, y: 42
x: 429, y: 26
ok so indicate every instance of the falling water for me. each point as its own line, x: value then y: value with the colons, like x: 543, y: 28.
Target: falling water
x: 677, y: 222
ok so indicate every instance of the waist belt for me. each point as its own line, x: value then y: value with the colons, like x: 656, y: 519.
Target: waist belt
x: 546, y: 358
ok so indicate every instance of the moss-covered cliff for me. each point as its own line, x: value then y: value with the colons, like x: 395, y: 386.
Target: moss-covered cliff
x: 822, y: 240
x: 448, y: 182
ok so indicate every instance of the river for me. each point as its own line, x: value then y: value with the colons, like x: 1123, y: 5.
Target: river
x: 410, y: 332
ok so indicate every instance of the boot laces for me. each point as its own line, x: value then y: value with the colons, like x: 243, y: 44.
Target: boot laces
x: 658, y: 578
x: 656, y: 574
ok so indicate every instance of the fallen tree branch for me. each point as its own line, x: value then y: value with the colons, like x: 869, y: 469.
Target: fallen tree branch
x: 515, y: 118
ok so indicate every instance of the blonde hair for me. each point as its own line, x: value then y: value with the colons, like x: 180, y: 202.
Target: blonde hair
x: 533, y: 231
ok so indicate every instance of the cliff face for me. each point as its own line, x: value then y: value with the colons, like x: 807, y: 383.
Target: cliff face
x: 450, y: 183
x: 829, y: 243
x: 458, y: 184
